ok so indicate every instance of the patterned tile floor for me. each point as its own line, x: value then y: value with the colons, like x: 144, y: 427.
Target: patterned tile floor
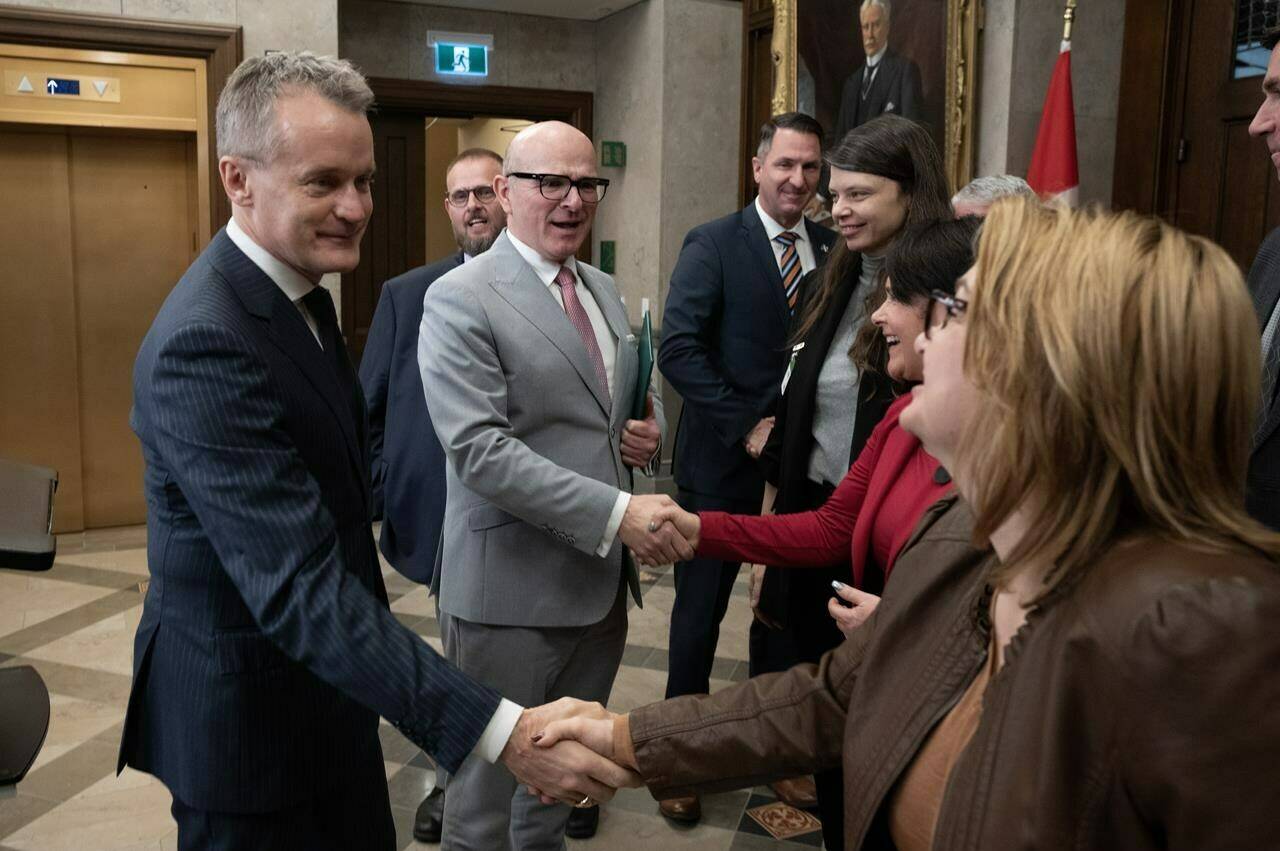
x: 75, y: 625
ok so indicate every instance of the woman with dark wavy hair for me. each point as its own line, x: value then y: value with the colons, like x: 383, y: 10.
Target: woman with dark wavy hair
x: 886, y: 176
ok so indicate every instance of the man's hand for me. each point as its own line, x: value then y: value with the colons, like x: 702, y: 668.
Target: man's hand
x: 595, y: 730
x: 653, y: 541
x: 687, y: 524
x: 755, y: 582
x: 640, y: 437
x: 758, y: 436
x: 564, y: 771
x: 861, y: 605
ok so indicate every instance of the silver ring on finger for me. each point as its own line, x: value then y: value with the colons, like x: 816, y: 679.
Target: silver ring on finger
x: 585, y: 803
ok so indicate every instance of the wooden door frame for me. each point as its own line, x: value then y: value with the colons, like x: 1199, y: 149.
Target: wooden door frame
x: 220, y: 46
x: 455, y: 101
x: 1146, y: 155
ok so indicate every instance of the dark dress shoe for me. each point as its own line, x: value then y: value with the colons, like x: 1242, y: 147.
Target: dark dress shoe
x: 583, y: 822
x: 798, y: 792
x: 684, y: 810
x: 428, y: 822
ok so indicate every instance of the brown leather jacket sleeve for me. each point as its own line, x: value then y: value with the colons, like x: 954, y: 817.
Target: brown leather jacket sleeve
x: 1200, y: 742
x: 769, y: 727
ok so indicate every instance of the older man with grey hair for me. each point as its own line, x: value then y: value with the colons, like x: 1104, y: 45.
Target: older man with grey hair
x: 980, y: 193
x: 887, y: 82
x: 266, y: 649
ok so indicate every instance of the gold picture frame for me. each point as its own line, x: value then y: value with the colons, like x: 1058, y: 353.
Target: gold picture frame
x: 961, y: 79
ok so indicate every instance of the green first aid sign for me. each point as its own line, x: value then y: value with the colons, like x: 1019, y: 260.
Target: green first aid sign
x: 471, y: 60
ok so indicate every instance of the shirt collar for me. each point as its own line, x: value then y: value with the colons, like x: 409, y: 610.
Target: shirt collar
x: 291, y: 282
x: 772, y: 228
x: 545, y: 269
x: 874, y: 61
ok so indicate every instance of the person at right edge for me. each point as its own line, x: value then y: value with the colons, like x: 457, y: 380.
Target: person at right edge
x: 1263, y: 498
x: 733, y: 293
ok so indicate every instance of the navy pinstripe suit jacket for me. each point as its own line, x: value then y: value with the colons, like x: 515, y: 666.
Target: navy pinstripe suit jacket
x: 266, y: 649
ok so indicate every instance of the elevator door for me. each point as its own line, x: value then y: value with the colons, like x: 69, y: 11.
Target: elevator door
x: 101, y: 226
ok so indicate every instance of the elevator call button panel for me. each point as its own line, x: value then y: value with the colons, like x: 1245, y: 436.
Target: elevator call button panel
x: 32, y: 83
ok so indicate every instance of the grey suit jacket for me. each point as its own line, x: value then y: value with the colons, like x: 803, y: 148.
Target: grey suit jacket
x: 532, y: 443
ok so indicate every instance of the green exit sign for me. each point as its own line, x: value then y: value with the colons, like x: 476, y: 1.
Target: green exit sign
x: 462, y: 60
x: 613, y: 154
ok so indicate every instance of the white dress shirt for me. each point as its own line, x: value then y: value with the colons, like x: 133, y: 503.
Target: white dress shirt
x: 290, y: 281
x: 294, y: 285
x: 546, y: 270
x: 804, y: 248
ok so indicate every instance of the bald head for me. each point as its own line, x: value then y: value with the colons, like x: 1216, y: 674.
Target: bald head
x: 543, y: 141
x: 554, y: 227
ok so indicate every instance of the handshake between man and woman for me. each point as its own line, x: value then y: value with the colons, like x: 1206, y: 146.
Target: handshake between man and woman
x: 572, y: 751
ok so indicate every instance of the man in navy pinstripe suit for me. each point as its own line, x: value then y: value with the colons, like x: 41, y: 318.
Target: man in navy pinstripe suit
x: 266, y: 650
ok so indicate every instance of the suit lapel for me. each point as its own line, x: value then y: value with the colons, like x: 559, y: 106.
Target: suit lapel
x: 290, y: 333
x: 878, y: 97
x: 533, y: 300
x: 615, y: 315
x: 757, y: 241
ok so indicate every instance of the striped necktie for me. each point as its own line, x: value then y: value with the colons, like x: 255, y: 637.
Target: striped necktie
x: 789, y: 265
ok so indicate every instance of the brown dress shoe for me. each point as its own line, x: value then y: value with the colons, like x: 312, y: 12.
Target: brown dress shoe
x: 684, y: 810
x: 799, y: 792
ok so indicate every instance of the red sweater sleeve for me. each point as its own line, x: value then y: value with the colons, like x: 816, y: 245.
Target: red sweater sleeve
x: 815, y: 538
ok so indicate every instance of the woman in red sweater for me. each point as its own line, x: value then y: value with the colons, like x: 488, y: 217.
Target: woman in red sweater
x: 873, y: 511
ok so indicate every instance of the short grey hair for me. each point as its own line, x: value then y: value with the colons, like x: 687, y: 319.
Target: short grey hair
x: 245, y: 123
x: 987, y: 190
x: 883, y: 4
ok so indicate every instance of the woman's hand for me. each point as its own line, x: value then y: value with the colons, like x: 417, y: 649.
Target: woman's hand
x: 852, y: 616
x: 755, y: 583
x: 687, y: 524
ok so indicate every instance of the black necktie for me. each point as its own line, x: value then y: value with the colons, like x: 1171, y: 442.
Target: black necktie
x: 868, y: 74
x: 320, y: 305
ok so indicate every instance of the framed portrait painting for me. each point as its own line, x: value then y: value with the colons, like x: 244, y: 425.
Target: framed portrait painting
x: 847, y: 61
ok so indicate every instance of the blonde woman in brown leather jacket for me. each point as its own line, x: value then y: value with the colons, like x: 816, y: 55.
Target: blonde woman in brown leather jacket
x: 1084, y: 651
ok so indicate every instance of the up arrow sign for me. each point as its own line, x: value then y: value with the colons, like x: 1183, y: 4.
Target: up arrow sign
x: 52, y: 86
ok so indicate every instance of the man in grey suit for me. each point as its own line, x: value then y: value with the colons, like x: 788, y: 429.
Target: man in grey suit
x: 533, y: 370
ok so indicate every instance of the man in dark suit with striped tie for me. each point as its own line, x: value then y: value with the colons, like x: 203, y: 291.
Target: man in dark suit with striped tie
x: 266, y: 649
x: 724, y: 333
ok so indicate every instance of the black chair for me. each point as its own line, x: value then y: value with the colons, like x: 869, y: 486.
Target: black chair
x: 26, y: 543
x: 24, y: 721
x: 26, y: 516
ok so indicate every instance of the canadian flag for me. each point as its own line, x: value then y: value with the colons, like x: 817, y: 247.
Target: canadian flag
x: 1054, y: 172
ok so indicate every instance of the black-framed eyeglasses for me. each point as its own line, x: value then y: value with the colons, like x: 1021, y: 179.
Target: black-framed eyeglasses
x: 943, y: 307
x: 458, y: 197
x: 555, y: 187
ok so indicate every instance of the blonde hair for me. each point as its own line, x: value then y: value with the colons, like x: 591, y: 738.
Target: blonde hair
x: 1121, y: 359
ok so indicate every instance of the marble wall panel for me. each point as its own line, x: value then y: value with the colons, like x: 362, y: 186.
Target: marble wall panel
x: 97, y: 7
x: 209, y: 11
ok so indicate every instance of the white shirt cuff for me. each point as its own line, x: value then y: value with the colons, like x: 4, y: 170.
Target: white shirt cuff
x: 495, y: 736
x: 615, y: 523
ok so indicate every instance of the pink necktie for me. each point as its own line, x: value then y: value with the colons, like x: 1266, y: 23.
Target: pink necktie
x: 578, y: 316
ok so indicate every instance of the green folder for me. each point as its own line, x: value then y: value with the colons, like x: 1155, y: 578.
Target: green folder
x: 644, y: 348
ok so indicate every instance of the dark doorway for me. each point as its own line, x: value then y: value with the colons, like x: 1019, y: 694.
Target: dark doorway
x: 1190, y: 86
x: 395, y: 241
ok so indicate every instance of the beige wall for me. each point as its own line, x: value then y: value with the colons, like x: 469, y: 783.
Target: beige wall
x: 488, y: 133
x: 389, y: 39
x: 268, y: 24
x: 1020, y: 46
